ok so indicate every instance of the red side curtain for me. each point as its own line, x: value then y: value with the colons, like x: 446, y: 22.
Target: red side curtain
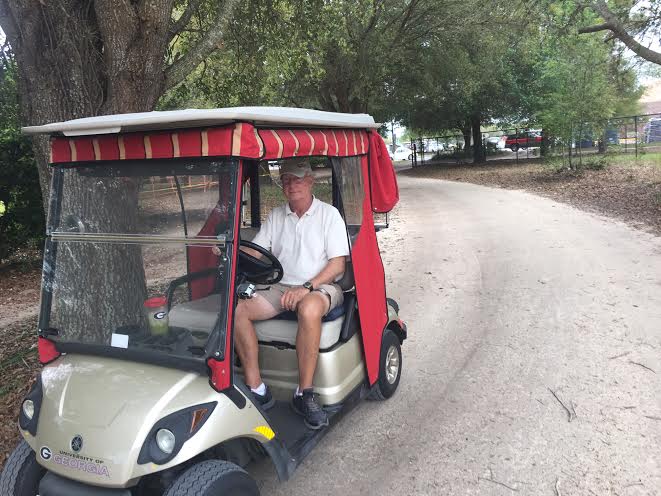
x: 383, y: 181
x: 202, y: 258
x: 370, y: 286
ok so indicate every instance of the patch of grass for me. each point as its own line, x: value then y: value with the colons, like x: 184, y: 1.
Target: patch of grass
x: 630, y: 159
x: 595, y: 162
x: 578, y: 164
x: 602, y: 161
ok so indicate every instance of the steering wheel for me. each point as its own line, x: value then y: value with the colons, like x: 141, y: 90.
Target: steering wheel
x: 258, y: 270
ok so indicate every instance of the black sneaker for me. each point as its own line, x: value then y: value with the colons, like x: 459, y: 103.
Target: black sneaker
x: 313, y: 415
x: 265, y: 400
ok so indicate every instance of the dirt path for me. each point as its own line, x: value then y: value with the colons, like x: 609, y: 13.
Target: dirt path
x: 522, y: 312
x: 627, y: 190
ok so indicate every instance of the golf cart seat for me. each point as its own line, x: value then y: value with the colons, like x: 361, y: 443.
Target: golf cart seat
x: 199, y: 316
x: 334, y: 327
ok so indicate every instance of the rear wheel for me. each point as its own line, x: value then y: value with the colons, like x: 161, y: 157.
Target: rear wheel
x: 22, y: 473
x: 410, y: 157
x: 213, y: 478
x: 390, y: 367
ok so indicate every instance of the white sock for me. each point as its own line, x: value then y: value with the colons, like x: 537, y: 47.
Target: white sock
x: 298, y: 392
x: 260, y: 390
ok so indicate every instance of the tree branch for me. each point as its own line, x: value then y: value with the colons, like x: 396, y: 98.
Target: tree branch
x: 177, y: 26
x: 183, y: 66
x: 618, y: 29
x: 594, y: 29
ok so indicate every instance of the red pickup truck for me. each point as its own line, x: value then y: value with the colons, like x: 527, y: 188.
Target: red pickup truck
x: 527, y: 139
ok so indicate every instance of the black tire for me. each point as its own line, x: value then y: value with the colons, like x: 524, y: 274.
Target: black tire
x: 213, y: 478
x: 410, y: 157
x: 514, y: 148
x: 22, y: 473
x: 393, y: 304
x: 385, y: 388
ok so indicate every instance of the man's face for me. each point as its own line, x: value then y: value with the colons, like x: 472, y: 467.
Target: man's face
x: 297, y: 188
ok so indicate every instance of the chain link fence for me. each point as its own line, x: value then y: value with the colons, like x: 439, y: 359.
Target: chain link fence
x: 636, y: 135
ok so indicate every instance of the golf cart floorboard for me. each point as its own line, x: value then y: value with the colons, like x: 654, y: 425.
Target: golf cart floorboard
x: 292, y: 431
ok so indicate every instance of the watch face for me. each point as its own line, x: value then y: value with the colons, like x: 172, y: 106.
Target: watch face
x: 307, y: 285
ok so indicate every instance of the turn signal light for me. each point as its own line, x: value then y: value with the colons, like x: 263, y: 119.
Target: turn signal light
x: 198, y: 416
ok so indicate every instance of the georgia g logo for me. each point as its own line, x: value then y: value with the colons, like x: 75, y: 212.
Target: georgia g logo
x: 46, y: 453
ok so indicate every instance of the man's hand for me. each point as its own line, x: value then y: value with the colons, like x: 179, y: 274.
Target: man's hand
x: 292, y: 297
x: 251, y: 252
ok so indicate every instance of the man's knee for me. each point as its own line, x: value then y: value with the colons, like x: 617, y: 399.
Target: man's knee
x: 241, y: 312
x: 311, y: 308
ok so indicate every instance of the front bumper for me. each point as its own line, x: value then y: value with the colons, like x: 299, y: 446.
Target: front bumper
x: 54, y: 485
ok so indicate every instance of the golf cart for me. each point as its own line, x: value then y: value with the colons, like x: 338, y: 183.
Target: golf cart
x: 141, y: 392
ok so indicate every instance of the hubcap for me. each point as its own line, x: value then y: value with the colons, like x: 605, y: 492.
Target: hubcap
x: 392, y: 365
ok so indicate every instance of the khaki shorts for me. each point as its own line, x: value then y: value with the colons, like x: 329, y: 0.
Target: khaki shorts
x: 274, y: 292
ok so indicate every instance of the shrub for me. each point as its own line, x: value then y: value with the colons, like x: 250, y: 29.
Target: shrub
x: 22, y: 221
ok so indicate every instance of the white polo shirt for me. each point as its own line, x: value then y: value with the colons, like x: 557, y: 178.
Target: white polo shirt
x: 304, y: 245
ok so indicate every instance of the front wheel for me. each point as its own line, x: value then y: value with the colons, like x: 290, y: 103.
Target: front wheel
x: 213, y: 478
x: 410, y: 157
x: 514, y: 148
x: 22, y: 473
x: 390, y: 367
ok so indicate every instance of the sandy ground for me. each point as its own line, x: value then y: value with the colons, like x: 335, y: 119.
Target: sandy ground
x: 533, y: 360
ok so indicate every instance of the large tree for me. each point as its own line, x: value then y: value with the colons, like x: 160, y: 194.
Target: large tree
x: 79, y: 58
x: 338, y: 56
x: 470, y: 77
x: 85, y: 58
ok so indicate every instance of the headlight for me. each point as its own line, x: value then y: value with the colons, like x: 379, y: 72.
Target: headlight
x: 169, y: 434
x: 165, y: 440
x: 28, y: 415
x: 28, y: 409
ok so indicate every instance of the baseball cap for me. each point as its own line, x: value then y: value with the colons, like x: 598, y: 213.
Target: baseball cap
x: 298, y: 167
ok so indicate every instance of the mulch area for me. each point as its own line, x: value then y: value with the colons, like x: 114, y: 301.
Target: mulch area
x: 19, y: 366
x: 627, y: 192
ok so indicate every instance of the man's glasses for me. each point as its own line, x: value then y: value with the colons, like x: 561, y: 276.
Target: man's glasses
x: 289, y: 179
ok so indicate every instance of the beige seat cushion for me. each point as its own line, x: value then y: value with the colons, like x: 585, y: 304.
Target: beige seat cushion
x: 284, y: 331
x: 196, y: 315
x: 201, y: 315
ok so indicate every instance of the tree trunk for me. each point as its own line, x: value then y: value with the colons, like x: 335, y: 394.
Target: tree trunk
x: 479, y: 155
x: 544, y: 148
x: 79, y: 59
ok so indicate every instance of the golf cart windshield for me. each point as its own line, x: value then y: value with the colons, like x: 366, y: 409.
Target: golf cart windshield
x: 129, y: 243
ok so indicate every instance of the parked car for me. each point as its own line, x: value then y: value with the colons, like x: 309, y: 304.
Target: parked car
x: 652, y: 130
x: 527, y: 139
x: 585, y: 142
x: 401, y: 153
x: 433, y: 146
x: 612, y: 136
x: 496, y: 142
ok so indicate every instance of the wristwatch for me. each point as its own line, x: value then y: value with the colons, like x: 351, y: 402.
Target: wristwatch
x: 308, y: 285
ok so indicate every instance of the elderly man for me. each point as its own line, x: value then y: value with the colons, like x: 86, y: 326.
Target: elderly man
x: 309, y: 238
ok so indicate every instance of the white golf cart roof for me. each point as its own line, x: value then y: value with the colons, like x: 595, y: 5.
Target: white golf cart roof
x: 176, y: 119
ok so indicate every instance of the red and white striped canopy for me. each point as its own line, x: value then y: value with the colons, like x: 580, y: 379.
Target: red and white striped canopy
x: 240, y: 139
